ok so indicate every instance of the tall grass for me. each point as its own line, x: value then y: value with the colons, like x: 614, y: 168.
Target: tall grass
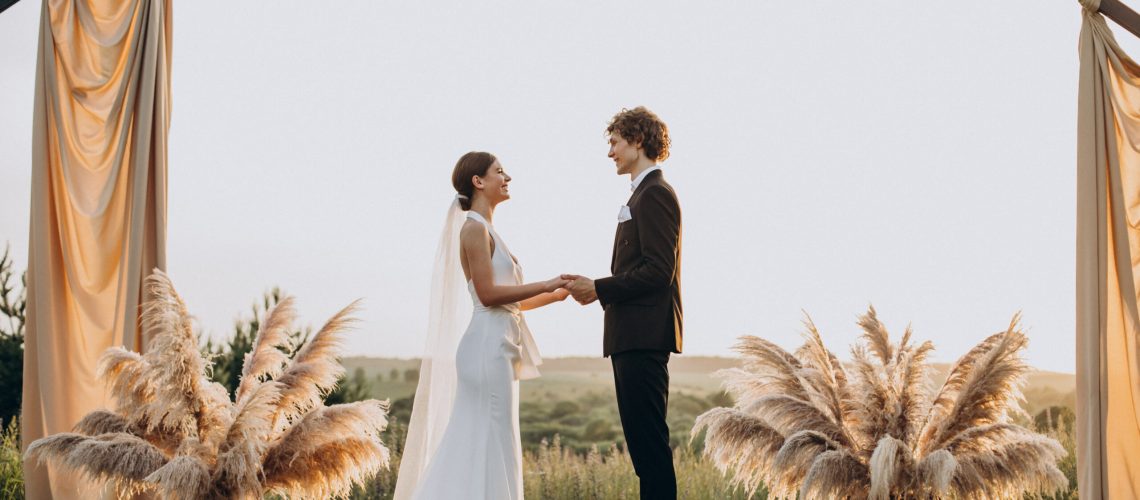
x: 554, y: 472
x: 11, y: 469
x: 557, y: 472
x: 1051, y: 423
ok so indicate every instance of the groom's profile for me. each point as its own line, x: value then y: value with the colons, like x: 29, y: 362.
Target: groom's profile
x: 642, y: 299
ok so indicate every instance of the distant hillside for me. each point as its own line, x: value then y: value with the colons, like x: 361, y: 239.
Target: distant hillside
x: 690, y: 374
x: 1062, y: 382
x: 677, y: 364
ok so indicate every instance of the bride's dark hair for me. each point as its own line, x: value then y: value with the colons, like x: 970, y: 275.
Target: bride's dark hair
x: 468, y: 166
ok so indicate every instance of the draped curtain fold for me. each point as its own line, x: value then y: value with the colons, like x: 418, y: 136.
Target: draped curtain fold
x: 98, y: 211
x: 1107, y: 264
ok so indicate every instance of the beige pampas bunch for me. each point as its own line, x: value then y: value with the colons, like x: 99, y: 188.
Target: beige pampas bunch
x: 175, y: 433
x: 804, y: 424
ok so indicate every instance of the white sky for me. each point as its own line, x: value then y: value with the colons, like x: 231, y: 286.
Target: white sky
x: 919, y: 156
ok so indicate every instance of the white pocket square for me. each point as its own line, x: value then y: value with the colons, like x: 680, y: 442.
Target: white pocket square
x: 624, y: 214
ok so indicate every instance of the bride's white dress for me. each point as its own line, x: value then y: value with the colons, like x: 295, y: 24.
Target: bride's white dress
x: 480, y: 453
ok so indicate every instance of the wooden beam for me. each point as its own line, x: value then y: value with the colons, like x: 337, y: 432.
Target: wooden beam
x: 1122, y: 15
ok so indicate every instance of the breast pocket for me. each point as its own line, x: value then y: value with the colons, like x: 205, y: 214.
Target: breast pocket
x: 627, y: 245
x: 627, y: 234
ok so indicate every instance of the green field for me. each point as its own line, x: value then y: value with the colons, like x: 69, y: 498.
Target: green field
x: 572, y: 434
x: 574, y: 397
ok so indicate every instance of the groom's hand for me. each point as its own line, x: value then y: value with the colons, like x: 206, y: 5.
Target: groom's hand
x: 582, y: 288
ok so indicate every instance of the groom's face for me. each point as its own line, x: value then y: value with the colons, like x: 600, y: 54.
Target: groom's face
x: 623, y: 154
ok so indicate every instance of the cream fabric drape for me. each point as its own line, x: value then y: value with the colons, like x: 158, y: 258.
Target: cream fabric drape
x: 98, y: 214
x: 1108, y: 265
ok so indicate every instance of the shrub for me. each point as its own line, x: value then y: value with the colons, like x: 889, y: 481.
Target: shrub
x: 806, y: 425
x: 176, y: 433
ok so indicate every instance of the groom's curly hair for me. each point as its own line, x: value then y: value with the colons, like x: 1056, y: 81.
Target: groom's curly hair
x: 642, y: 126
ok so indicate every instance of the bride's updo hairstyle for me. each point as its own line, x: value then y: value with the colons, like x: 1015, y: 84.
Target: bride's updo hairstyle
x: 468, y: 166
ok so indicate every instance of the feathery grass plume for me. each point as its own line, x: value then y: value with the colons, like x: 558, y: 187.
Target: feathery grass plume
x: 317, y: 442
x: 875, y: 333
x: 122, y: 459
x: 131, y: 390
x: 181, y: 478
x: 315, y: 368
x: 913, y: 393
x: 987, y: 395
x: 176, y: 434
x: 330, y: 470
x: 870, y: 418
x: 177, y: 404
x: 835, y: 474
x: 890, y: 464
x: 833, y: 385
x: 787, y: 414
x: 745, y: 443
x: 935, y: 471
x: 806, y: 425
x: 267, y: 359
x: 101, y: 422
x: 238, y: 470
x: 795, y: 458
x: 959, y: 371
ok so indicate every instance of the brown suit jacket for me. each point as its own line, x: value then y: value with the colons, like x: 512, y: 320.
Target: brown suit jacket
x: 642, y: 300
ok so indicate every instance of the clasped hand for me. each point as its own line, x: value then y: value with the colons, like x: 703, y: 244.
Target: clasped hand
x: 581, y: 287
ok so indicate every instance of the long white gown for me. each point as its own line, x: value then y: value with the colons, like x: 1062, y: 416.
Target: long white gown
x: 480, y: 454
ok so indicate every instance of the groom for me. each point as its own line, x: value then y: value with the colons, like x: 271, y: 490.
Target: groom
x: 642, y: 300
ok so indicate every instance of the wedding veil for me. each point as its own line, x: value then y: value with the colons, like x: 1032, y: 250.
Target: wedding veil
x: 435, y: 392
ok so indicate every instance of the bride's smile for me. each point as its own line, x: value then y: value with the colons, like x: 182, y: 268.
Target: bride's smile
x: 495, y: 181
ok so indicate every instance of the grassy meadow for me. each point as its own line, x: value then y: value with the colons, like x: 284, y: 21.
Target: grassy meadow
x: 574, y: 397
x: 572, y: 434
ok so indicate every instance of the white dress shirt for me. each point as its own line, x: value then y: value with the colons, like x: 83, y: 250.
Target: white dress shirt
x: 637, y: 181
x: 623, y: 213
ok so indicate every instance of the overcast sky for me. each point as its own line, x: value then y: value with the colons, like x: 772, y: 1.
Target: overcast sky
x: 918, y: 156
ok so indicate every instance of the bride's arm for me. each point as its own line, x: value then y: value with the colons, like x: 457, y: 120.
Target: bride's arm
x: 545, y: 299
x: 475, y: 242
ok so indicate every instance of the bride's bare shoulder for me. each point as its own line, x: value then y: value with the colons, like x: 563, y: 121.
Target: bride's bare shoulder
x: 473, y: 231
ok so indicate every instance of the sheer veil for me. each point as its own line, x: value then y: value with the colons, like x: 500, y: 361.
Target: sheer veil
x: 449, y: 306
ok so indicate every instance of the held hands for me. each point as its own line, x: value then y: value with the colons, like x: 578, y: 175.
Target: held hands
x: 556, y: 286
x: 581, y: 287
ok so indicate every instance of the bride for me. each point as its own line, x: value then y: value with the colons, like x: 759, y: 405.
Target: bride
x: 463, y: 437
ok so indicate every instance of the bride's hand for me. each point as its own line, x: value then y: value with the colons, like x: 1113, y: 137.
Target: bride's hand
x: 554, y: 284
x: 561, y: 294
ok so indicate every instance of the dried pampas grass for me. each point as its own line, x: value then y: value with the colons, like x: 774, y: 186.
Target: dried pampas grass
x: 176, y: 434
x: 805, y: 425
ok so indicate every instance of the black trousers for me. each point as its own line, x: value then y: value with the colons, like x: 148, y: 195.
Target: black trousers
x: 642, y: 382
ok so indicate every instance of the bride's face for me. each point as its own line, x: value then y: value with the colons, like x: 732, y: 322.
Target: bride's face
x: 494, y: 185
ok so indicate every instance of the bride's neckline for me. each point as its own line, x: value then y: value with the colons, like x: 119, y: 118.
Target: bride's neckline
x: 471, y: 214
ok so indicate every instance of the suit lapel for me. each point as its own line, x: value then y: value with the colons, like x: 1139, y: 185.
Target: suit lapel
x: 633, y: 198
x: 649, y: 179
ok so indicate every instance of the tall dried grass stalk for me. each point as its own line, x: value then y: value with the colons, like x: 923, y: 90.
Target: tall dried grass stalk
x: 806, y: 425
x: 176, y: 434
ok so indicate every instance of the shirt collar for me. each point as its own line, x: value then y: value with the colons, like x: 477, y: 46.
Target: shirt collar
x: 637, y: 181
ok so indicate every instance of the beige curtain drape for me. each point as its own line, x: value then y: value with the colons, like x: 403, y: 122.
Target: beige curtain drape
x: 98, y: 214
x: 1108, y: 265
